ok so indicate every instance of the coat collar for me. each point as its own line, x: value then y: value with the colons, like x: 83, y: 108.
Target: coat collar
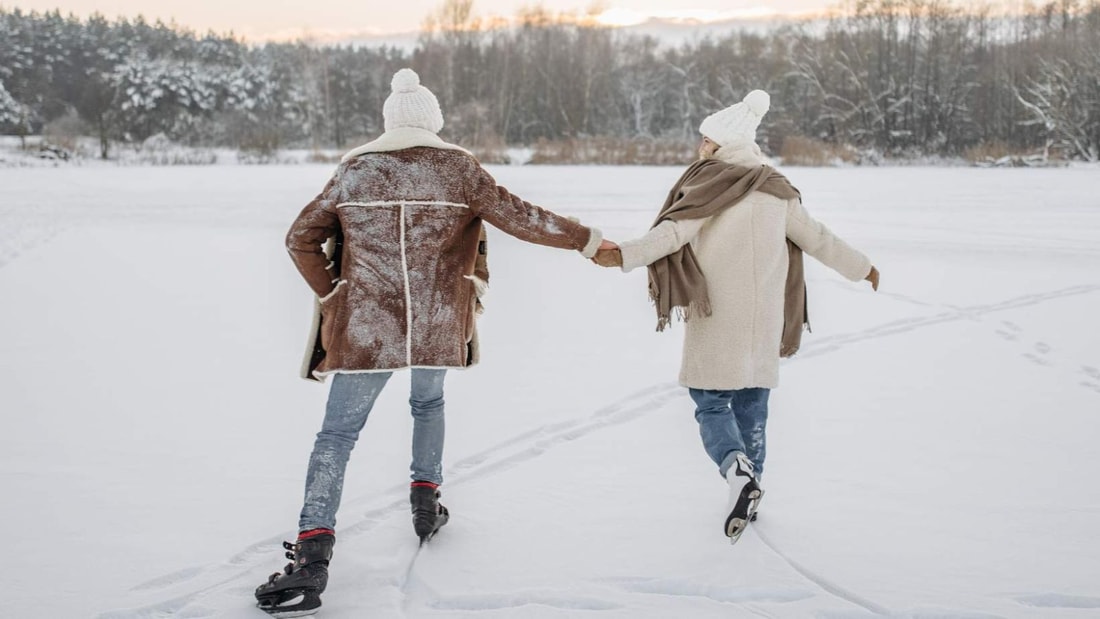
x: 400, y: 139
x: 746, y: 154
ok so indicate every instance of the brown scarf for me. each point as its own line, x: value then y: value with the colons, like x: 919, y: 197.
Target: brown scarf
x: 707, y: 188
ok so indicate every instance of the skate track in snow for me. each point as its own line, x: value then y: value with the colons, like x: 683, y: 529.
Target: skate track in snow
x: 240, y: 569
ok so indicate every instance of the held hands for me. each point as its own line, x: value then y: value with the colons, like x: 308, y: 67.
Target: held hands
x: 608, y: 255
x: 871, y: 277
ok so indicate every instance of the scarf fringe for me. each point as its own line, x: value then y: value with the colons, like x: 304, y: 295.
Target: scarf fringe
x: 682, y: 313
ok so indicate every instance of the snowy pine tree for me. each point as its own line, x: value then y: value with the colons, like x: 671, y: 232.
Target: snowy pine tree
x: 889, y: 77
x: 11, y: 112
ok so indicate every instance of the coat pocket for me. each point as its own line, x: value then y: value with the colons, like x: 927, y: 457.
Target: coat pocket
x: 331, y: 306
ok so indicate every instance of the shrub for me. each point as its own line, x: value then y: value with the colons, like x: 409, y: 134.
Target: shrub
x: 612, y: 151
x: 804, y: 151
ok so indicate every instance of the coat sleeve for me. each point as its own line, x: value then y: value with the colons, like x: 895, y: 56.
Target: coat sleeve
x: 305, y: 241
x: 525, y: 221
x: 662, y: 240
x: 820, y: 242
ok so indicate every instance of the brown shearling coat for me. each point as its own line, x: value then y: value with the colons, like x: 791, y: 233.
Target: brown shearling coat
x: 410, y: 222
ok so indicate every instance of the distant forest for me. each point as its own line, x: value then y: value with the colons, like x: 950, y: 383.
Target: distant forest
x: 885, y: 78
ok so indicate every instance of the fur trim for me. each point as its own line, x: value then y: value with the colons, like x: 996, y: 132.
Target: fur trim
x: 333, y: 291
x: 593, y: 245
x: 321, y: 376
x: 408, y: 290
x: 403, y: 203
x: 307, y: 359
x: 481, y: 287
x: 400, y: 139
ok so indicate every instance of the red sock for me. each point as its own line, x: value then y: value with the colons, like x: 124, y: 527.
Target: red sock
x: 314, y: 532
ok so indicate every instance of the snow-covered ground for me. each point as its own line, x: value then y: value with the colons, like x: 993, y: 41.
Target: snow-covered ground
x: 932, y: 450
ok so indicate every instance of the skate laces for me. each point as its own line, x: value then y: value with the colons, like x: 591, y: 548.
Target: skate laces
x: 745, y: 468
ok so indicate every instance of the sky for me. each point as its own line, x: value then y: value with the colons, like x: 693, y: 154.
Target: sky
x: 284, y: 19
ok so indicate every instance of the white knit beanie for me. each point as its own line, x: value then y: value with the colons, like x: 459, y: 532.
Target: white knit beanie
x: 411, y: 105
x: 737, y: 123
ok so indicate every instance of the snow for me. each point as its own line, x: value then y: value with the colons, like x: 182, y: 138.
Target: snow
x: 932, y: 449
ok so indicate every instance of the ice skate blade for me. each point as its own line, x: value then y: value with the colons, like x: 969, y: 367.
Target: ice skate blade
x: 289, y: 614
x: 735, y: 528
x: 301, y: 605
x: 427, y: 537
x: 292, y: 613
x: 742, y: 513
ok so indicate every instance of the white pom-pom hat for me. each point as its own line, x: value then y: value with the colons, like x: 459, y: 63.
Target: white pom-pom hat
x: 737, y: 123
x: 411, y: 105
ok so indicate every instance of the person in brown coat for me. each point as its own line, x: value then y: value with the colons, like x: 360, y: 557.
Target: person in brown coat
x: 398, y: 289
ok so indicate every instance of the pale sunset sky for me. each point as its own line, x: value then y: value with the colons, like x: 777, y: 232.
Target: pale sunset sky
x: 283, y: 19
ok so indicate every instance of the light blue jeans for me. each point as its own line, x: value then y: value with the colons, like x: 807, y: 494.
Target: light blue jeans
x: 349, y: 403
x: 732, y: 421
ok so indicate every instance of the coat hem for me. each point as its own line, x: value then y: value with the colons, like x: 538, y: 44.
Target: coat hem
x: 726, y: 387
x: 327, y: 373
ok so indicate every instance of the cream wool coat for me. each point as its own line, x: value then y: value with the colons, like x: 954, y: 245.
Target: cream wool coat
x: 743, y: 254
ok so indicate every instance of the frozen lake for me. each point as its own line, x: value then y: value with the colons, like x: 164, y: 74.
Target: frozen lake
x: 932, y: 451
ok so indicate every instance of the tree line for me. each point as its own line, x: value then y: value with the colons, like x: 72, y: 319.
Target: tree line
x: 894, y: 78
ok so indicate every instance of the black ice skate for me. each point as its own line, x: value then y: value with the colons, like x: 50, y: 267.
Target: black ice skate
x: 296, y: 591
x: 428, y: 514
x: 745, y: 494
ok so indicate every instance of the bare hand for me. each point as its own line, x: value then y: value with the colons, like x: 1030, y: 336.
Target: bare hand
x: 873, y: 278
x: 606, y: 244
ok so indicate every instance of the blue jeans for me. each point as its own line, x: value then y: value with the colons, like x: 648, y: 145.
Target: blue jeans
x: 349, y: 403
x: 730, y: 422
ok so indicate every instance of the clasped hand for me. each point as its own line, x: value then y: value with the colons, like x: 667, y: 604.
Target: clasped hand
x: 608, y: 255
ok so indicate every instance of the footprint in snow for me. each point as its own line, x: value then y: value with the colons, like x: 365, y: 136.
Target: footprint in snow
x: 1039, y: 354
x: 1094, y: 374
x: 1036, y: 359
x: 1009, y: 331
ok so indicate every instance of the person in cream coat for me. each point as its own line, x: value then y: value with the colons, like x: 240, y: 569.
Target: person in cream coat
x: 720, y: 255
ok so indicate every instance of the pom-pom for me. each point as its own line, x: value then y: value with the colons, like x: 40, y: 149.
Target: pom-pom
x: 758, y: 101
x: 405, y: 80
